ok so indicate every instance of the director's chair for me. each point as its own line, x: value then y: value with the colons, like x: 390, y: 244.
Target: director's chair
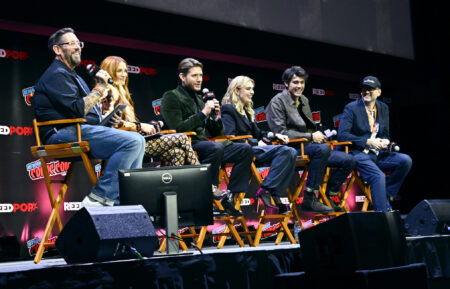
x: 229, y: 221
x: 78, y: 149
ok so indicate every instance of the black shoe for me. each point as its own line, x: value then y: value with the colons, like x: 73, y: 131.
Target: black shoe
x: 311, y: 204
x: 283, y: 209
x: 228, y: 205
x: 219, y: 213
x: 335, y: 202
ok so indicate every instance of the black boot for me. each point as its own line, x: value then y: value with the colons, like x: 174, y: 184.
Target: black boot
x: 228, y: 205
x: 333, y: 197
x: 282, y: 208
x: 311, y: 204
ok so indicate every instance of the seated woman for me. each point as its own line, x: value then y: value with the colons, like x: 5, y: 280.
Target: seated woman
x: 171, y: 149
x: 238, y: 118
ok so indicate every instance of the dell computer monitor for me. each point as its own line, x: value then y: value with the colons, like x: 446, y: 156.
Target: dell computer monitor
x: 191, y: 183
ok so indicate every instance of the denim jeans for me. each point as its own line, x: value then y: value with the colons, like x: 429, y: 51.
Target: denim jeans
x: 372, y: 168
x: 344, y: 165
x: 282, y: 165
x: 122, y: 149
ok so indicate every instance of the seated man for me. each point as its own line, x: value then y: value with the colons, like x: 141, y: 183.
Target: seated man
x: 183, y: 110
x: 365, y: 122
x: 289, y: 113
x: 61, y: 94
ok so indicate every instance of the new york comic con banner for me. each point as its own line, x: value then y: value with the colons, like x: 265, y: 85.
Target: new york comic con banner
x: 24, y: 202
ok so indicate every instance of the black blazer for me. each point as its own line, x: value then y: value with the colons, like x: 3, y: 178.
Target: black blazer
x: 237, y: 124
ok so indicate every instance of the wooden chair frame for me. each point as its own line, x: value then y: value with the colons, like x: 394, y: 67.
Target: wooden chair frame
x: 79, y: 148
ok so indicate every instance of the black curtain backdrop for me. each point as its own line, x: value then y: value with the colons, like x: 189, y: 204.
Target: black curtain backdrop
x: 154, y: 42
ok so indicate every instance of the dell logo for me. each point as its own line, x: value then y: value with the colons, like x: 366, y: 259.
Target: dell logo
x: 166, y: 178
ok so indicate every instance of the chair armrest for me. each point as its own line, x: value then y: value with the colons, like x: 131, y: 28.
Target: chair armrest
x: 239, y: 137
x: 168, y: 131
x: 60, y: 121
x: 37, y: 124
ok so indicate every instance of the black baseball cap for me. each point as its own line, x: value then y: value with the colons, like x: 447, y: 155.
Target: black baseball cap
x: 371, y: 81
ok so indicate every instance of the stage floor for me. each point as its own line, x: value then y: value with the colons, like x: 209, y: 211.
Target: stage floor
x: 18, y: 266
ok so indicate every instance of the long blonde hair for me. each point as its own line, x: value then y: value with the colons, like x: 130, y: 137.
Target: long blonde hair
x: 111, y: 64
x: 232, y: 97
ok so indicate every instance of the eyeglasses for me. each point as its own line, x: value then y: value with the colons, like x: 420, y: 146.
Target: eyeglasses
x: 73, y: 44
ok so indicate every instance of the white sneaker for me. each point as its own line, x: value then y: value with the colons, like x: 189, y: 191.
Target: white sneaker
x: 88, y: 202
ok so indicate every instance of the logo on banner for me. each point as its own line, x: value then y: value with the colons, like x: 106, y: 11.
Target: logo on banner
x: 85, y: 62
x: 19, y: 130
x: 72, y: 206
x: 33, y: 245
x: 54, y: 168
x: 320, y: 91
x: 277, y: 86
x: 142, y: 70
x: 260, y: 115
x: 270, y: 230
x: 157, y: 105
x: 18, y: 207
x: 316, y: 116
x: 27, y: 94
x: 14, y: 54
x: 337, y: 120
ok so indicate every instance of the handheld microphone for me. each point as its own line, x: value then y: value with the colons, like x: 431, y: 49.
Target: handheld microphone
x: 330, y: 134
x: 393, y: 147
x: 92, y: 70
x: 209, y: 95
x: 157, y: 124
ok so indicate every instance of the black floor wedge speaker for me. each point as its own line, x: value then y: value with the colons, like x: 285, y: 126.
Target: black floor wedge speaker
x: 354, y: 241
x: 107, y: 233
x: 429, y: 217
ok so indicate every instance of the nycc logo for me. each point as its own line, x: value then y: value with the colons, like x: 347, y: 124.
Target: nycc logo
x: 35, y: 171
x: 157, y: 106
x: 260, y: 116
x: 33, y: 245
x: 27, y: 94
x: 320, y: 91
x: 18, y: 207
x: 142, y: 70
x: 19, y: 130
x: 14, y: 54
x: 337, y: 120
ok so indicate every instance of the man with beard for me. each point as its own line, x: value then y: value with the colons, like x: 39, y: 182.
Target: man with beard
x: 61, y: 94
x: 183, y: 110
x: 365, y: 122
x: 289, y: 113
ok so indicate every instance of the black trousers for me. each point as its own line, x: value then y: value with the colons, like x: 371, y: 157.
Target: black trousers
x: 216, y: 153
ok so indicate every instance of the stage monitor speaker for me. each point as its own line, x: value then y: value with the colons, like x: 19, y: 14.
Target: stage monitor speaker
x: 354, y: 241
x: 107, y: 233
x: 429, y: 217
x: 9, y: 248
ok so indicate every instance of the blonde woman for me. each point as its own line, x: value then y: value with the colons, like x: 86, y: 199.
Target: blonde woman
x: 238, y: 118
x: 171, y: 149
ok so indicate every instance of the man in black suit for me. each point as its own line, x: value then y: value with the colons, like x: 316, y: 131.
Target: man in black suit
x: 183, y: 110
x: 365, y: 122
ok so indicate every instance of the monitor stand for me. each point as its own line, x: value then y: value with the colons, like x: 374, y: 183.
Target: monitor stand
x: 172, y: 238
